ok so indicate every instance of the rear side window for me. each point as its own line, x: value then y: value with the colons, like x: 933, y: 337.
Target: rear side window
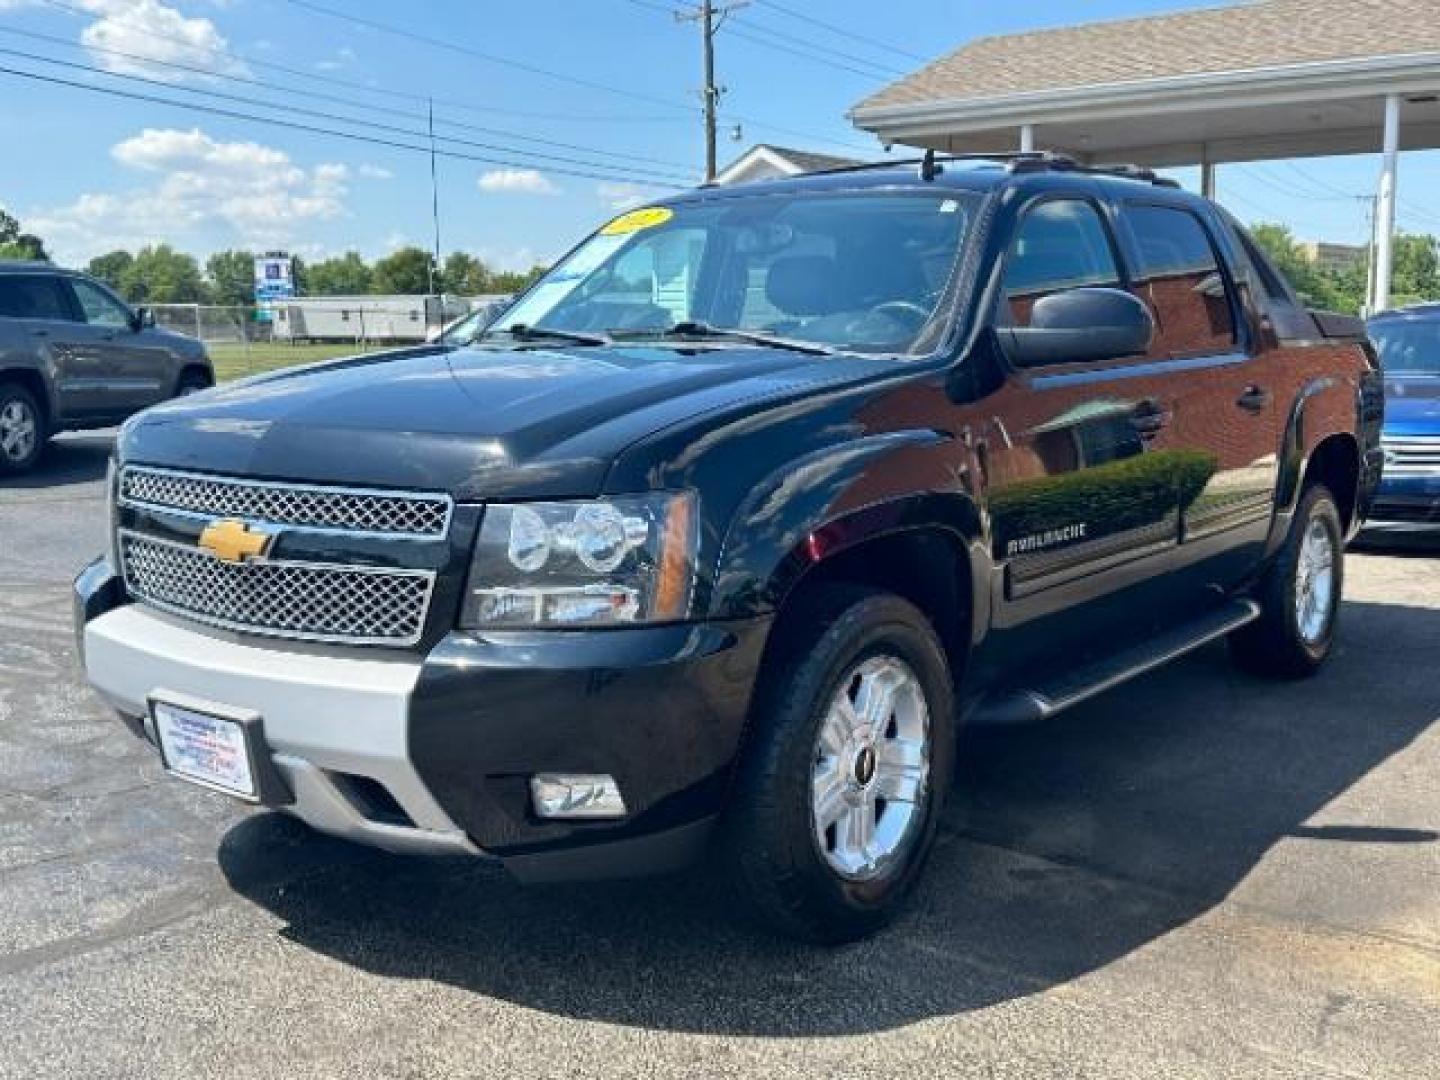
x: 1061, y: 244
x: 27, y: 296
x: 1179, y: 275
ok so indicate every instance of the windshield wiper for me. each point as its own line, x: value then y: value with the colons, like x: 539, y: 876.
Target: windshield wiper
x: 523, y: 332
x: 705, y: 332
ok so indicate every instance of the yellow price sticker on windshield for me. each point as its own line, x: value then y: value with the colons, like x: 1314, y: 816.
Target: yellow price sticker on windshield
x: 636, y: 220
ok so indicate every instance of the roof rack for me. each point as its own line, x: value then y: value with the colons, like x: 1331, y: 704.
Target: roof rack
x: 1015, y: 161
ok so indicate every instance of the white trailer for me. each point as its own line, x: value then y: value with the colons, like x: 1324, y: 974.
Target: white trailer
x: 362, y: 318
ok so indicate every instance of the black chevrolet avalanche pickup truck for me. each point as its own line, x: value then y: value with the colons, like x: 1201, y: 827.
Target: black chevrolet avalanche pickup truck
x: 721, y: 534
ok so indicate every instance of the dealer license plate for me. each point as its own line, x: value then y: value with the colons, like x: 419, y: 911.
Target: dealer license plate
x: 205, y: 749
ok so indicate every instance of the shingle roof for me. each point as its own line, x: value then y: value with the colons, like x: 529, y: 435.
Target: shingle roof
x: 1262, y: 34
x: 804, y: 160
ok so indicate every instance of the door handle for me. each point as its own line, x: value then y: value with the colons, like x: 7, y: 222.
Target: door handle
x: 1149, y: 418
x: 1254, y: 399
x: 39, y: 333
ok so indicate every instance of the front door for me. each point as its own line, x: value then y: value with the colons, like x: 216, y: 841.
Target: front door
x: 134, y: 371
x: 1084, y: 464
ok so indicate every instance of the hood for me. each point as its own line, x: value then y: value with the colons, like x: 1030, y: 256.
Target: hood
x: 477, y: 422
x: 1412, y: 405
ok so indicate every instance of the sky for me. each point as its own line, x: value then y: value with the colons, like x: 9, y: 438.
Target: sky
x: 556, y: 114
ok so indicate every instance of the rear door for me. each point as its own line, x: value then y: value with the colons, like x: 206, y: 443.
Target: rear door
x: 39, y: 312
x: 134, y: 370
x: 1224, y: 406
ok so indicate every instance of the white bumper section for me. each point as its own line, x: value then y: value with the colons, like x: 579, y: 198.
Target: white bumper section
x: 325, y: 710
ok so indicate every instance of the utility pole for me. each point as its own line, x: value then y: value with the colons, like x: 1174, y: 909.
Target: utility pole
x: 710, y: 18
x: 434, y: 201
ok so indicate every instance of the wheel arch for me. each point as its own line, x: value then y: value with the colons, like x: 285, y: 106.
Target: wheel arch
x: 1320, y: 444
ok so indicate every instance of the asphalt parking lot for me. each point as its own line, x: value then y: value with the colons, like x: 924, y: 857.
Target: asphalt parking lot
x: 1200, y: 874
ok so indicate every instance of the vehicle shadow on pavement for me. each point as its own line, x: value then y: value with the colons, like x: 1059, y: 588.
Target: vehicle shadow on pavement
x: 1066, y: 847
x: 78, y: 458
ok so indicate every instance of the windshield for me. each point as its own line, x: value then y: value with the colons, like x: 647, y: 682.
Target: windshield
x: 862, y: 273
x: 1408, y: 346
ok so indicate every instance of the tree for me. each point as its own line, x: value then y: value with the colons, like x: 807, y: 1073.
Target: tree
x: 1416, y: 268
x: 110, y: 268
x: 15, y: 244
x: 161, y: 275
x: 1319, y: 288
x: 513, y: 282
x: 345, y: 275
x: 232, y: 277
x: 464, y: 275
x: 404, y: 271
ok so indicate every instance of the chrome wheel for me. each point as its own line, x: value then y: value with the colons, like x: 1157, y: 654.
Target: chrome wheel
x: 19, y: 428
x: 871, y: 769
x: 1315, y: 583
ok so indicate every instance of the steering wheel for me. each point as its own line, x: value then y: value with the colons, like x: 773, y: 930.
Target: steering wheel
x: 902, y: 311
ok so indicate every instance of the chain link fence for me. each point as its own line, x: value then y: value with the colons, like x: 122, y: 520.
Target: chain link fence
x: 248, y: 339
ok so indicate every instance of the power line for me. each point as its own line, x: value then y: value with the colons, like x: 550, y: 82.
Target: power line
x: 492, y: 58
x: 348, y: 102
x: 532, y: 156
x: 841, y: 31
x: 808, y: 50
x: 350, y: 84
x: 465, y: 50
x: 292, y: 125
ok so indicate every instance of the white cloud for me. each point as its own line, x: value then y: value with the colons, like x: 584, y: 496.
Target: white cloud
x: 255, y: 193
x: 375, y: 172
x: 620, y: 195
x: 344, y: 57
x: 151, y: 30
x: 517, y: 181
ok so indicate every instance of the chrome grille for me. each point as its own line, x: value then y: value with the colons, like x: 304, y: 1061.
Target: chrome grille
x: 318, y: 602
x: 1412, y: 455
x: 349, y: 509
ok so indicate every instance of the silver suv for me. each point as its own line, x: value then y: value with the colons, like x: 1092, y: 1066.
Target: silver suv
x: 74, y: 355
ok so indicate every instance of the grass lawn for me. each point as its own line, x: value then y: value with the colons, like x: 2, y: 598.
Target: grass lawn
x: 232, y: 361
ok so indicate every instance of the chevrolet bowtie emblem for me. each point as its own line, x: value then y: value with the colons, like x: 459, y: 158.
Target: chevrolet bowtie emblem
x: 234, y: 541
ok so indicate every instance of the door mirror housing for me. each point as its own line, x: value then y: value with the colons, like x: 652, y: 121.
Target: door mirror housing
x: 1081, y: 326
x: 143, y: 319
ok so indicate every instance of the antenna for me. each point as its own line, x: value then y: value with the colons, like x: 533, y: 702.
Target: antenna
x: 928, y: 168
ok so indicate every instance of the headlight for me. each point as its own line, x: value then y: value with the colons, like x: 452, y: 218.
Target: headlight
x: 598, y: 563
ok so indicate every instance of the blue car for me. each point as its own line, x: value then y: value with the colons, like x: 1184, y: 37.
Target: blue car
x: 1409, y: 345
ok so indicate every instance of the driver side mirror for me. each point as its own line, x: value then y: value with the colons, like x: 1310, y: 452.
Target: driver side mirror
x: 143, y: 319
x: 1082, y: 325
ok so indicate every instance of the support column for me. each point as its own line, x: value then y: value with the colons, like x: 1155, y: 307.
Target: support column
x: 1385, y: 205
x: 1027, y: 138
x: 1207, y: 173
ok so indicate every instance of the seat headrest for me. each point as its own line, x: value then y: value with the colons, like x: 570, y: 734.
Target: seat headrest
x: 803, y: 285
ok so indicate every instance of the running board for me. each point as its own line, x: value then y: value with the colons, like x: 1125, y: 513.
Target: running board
x: 1027, y: 706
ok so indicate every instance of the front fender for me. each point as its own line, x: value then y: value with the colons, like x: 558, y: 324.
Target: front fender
x: 828, y: 501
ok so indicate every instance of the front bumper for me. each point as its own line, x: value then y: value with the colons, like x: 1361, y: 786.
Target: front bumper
x: 1406, y: 502
x: 433, y: 753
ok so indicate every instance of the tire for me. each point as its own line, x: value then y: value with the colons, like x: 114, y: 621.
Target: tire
x: 22, y: 429
x: 819, y: 885
x: 192, y: 382
x: 1296, y: 628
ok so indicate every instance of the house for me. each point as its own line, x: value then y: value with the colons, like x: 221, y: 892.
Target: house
x: 766, y: 162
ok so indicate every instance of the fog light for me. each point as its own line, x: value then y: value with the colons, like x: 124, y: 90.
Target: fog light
x: 576, y: 795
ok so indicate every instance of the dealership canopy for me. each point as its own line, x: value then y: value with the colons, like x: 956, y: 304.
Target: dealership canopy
x: 1251, y: 82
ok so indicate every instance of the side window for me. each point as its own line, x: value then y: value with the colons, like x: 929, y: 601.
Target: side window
x: 1179, y: 274
x: 26, y: 296
x: 100, y: 308
x: 1270, y: 282
x: 1061, y: 244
